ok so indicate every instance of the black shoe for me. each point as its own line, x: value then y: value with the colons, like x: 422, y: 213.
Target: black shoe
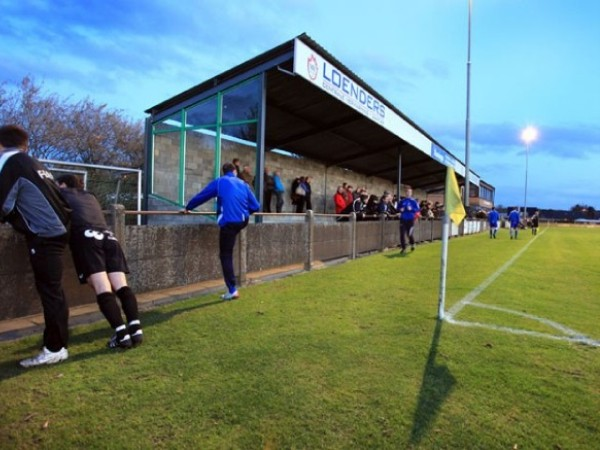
x: 137, y: 338
x: 123, y: 342
x: 136, y: 333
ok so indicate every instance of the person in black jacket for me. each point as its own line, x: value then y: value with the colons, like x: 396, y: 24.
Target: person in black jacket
x: 30, y: 201
x: 100, y: 262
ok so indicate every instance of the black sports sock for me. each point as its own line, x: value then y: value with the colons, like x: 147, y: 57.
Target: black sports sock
x: 108, y: 305
x: 129, y: 303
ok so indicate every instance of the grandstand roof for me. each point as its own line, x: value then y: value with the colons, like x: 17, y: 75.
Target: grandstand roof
x: 306, y: 120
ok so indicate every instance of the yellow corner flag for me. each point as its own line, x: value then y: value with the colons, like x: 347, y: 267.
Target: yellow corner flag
x: 453, y: 202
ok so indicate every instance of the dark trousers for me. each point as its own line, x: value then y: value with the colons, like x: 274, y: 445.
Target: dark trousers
x: 227, y: 235
x: 46, y: 257
x: 406, y: 230
x: 300, y: 201
x: 267, y: 195
x: 278, y: 201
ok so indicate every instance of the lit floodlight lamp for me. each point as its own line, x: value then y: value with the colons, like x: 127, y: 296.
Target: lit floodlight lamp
x: 529, y: 134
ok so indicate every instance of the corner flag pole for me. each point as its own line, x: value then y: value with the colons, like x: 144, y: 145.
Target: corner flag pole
x: 455, y: 211
x: 444, y: 265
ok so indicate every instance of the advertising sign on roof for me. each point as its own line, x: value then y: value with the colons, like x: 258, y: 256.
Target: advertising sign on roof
x: 441, y: 155
x: 320, y: 72
x: 311, y: 66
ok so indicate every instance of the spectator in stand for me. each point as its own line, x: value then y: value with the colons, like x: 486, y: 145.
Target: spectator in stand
x: 308, y: 195
x: 437, y: 209
x: 247, y: 176
x: 409, y: 210
x: 339, y: 199
x: 238, y: 167
x: 372, y: 206
x: 293, y: 189
x: 493, y: 218
x: 278, y: 189
x: 359, y: 206
x: 268, y: 189
x: 392, y: 208
x: 300, y: 195
x: 358, y: 192
x: 349, y: 194
x: 385, y: 204
x: 426, y: 211
x: 515, y: 220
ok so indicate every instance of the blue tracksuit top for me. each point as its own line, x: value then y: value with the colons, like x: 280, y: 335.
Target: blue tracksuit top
x: 235, y: 200
x: 493, y: 217
x: 514, y: 218
x: 408, y: 207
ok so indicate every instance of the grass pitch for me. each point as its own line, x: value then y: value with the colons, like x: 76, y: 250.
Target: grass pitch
x: 349, y: 357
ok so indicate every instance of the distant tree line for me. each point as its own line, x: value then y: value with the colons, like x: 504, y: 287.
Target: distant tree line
x: 81, y: 132
x: 577, y: 211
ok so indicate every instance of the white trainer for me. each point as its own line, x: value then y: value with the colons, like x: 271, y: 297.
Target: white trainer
x: 46, y: 357
x: 230, y: 295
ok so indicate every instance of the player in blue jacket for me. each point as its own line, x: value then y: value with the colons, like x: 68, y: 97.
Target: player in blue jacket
x: 235, y: 203
x: 515, y: 220
x: 409, y: 212
x: 493, y: 218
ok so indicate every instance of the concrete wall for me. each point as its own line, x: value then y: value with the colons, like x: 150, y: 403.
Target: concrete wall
x: 199, y: 169
x: 165, y: 256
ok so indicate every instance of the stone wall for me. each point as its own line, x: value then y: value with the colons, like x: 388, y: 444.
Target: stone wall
x: 165, y: 256
x: 199, y: 169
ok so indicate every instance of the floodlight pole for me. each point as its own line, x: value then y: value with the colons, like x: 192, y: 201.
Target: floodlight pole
x: 468, y: 125
x: 528, y: 135
x: 526, y: 171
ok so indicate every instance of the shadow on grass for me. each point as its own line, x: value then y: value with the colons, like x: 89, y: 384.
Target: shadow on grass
x: 149, y: 318
x: 10, y: 369
x: 436, y: 385
x: 398, y: 254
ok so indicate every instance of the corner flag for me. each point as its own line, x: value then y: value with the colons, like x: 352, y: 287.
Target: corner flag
x: 453, y: 203
x: 455, y: 211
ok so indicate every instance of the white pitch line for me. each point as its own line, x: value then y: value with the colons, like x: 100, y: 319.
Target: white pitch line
x: 568, y: 334
x: 576, y: 339
x: 479, y: 289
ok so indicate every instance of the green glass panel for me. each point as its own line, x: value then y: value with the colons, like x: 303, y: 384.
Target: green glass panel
x: 165, y: 179
x: 199, y: 163
x: 242, y: 102
x: 244, y: 132
x: 172, y: 123
x: 204, y: 113
x: 243, y: 150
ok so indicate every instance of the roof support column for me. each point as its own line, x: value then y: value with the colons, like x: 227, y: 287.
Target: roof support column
x: 399, y: 188
x: 260, y: 142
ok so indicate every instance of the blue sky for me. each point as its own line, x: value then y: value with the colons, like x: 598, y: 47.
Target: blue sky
x: 533, y: 62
